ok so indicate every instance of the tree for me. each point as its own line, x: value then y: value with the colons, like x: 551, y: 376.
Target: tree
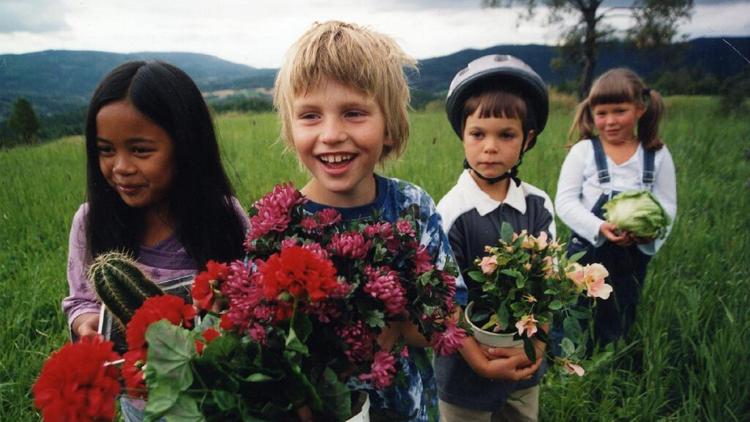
x: 23, y: 121
x: 655, y: 25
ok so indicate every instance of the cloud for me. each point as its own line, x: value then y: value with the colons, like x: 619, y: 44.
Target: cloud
x: 33, y: 16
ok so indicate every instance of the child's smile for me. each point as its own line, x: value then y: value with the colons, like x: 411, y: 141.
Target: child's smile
x: 136, y: 156
x: 339, y: 134
x: 336, y: 161
x: 616, y: 122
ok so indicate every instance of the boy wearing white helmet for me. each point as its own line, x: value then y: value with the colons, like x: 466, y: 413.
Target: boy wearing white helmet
x: 498, y: 106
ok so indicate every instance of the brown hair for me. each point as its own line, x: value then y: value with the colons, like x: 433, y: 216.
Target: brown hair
x: 621, y: 86
x: 495, y: 103
x: 354, y: 56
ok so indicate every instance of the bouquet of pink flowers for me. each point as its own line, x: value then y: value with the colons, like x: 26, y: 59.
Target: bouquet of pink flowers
x: 526, y: 281
x: 295, y: 324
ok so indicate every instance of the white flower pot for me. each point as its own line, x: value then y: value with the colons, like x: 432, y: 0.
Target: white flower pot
x: 364, y: 413
x: 488, y: 338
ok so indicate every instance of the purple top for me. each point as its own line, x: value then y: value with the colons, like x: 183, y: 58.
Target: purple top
x: 163, y: 261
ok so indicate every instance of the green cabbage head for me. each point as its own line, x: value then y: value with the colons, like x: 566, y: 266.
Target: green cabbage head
x: 637, y: 212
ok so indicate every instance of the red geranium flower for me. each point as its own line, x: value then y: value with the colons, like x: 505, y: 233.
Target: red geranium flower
x: 298, y: 271
x: 76, y: 384
x: 156, y: 308
x: 132, y: 373
x: 209, y: 335
x: 206, y: 282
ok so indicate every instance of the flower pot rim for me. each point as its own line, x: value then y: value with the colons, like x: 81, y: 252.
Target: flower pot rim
x: 489, y: 338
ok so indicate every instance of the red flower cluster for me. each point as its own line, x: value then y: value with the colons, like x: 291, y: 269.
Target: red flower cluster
x: 171, y: 308
x: 209, y: 335
x: 77, y: 384
x: 206, y: 283
x: 132, y: 373
x: 299, y: 272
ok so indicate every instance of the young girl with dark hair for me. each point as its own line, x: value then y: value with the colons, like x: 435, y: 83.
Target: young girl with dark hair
x: 618, y: 149
x: 156, y: 187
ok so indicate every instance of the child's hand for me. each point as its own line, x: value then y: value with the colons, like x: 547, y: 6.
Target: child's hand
x: 86, y: 325
x: 506, y: 364
x: 500, y: 352
x: 509, y: 364
x: 614, y: 235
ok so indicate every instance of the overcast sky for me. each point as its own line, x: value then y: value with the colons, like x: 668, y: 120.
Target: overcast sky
x: 258, y: 32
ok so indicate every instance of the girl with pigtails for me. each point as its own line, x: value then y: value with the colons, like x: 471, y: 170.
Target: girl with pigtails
x: 617, y: 149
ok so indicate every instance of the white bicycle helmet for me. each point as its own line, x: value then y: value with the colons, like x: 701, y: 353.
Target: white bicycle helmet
x: 499, y: 70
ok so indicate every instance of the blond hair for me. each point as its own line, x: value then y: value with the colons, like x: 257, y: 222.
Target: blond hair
x: 356, y: 57
x: 621, y: 85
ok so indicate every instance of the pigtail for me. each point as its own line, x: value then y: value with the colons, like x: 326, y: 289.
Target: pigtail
x: 583, y: 123
x: 648, y: 124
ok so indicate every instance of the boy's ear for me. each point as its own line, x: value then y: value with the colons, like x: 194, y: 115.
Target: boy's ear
x: 529, y: 138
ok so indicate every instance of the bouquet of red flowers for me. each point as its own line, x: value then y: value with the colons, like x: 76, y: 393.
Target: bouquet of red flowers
x: 295, y: 324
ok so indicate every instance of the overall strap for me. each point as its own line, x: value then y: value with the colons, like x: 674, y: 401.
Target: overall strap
x: 600, y: 158
x: 648, y: 168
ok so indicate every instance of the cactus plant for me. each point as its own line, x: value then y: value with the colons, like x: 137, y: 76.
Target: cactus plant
x: 120, y: 285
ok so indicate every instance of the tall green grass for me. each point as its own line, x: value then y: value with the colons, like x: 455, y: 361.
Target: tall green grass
x: 686, y: 359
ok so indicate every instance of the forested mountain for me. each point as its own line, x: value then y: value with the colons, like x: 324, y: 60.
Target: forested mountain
x: 58, y: 81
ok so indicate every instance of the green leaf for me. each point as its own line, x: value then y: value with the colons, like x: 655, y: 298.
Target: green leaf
x: 335, y: 394
x: 580, y: 313
x: 259, y: 377
x: 567, y: 347
x: 576, y: 256
x: 375, y: 318
x: 520, y: 282
x: 222, y: 349
x: 476, y: 276
x: 503, y: 315
x: 185, y: 410
x: 491, y: 323
x: 511, y: 273
x: 572, y: 328
x: 161, y: 398
x: 302, y: 325
x: 555, y: 305
x: 170, y: 350
x: 225, y: 400
x: 293, y: 341
x: 506, y: 232
x: 517, y: 306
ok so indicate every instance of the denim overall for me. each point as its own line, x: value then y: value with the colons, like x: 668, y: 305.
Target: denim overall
x: 626, y: 265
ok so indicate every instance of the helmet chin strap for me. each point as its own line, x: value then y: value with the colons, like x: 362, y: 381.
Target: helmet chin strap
x: 492, y: 180
x: 512, y: 173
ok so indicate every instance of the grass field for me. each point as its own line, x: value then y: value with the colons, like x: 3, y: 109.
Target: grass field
x: 687, y: 358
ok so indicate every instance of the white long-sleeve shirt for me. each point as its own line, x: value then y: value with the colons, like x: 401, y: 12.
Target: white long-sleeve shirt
x: 578, y: 189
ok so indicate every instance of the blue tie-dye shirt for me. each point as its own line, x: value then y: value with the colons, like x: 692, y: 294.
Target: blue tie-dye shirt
x: 416, y: 398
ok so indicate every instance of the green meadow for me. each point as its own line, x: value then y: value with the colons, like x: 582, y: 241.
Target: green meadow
x: 687, y: 358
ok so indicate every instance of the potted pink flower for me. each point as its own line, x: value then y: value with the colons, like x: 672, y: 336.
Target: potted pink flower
x: 522, y: 284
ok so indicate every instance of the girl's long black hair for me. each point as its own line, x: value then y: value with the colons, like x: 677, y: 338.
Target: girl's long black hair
x: 206, y: 222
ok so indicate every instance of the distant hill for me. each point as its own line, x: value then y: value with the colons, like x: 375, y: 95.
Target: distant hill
x: 57, y: 81
x: 714, y: 56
